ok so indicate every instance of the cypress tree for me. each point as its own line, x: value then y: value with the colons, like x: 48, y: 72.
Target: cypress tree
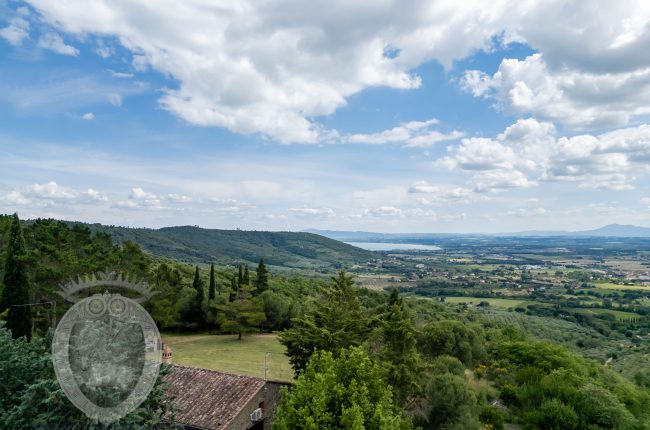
x: 234, y: 287
x: 16, y: 284
x: 240, y: 276
x: 213, y: 286
x: 262, y: 280
x: 198, y: 300
x: 247, y: 277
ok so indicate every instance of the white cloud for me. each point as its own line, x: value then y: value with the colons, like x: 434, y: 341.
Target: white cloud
x: 273, y: 68
x: 580, y: 100
x: 179, y: 198
x: 16, y: 198
x: 88, y: 116
x: 527, y: 213
x: 441, y: 194
x: 16, y: 31
x: 50, y: 193
x: 139, y: 199
x: 122, y: 75
x: 51, y: 190
x: 322, y: 212
x: 95, y: 195
x: 411, y: 134
x: 54, y: 42
x: 529, y: 152
x: 61, y: 92
x: 384, y: 211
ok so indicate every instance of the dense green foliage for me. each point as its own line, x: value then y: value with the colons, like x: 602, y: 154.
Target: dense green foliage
x: 396, y: 347
x: 197, y: 245
x: 348, y: 392
x: 30, y: 395
x: 242, y: 314
x: 336, y: 322
x: 550, y: 387
x: 452, y: 373
x: 262, y: 277
x: 15, y: 296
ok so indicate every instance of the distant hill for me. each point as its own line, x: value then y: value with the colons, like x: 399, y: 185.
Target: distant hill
x: 611, y: 230
x: 199, y: 245
x: 618, y: 230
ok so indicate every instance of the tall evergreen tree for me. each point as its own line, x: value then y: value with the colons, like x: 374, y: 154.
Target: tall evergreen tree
x: 338, y: 321
x: 213, y: 285
x: 398, y: 351
x: 16, y: 285
x: 240, y: 276
x: 262, y: 279
x: 234, y: 287
x: 198, y: 300
x: 247, y: 276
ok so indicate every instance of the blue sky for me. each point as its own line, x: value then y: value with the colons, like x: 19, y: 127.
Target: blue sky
x: 383, y: 116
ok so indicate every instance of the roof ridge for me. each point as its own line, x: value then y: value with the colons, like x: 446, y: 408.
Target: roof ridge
x: 221, y: 372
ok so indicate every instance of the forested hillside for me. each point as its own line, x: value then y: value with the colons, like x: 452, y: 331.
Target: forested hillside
x: 199, y: 245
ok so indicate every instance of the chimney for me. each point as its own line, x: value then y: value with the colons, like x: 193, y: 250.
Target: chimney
x: 166, y: 354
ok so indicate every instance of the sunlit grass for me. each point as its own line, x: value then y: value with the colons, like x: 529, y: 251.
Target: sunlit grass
x: 227, y: 354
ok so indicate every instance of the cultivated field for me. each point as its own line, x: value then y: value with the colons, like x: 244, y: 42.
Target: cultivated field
x: 227, y: 354
x: 612, y: 286
x: 499, y: 303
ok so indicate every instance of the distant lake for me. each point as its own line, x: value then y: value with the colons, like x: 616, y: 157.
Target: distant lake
x: 386, y: 246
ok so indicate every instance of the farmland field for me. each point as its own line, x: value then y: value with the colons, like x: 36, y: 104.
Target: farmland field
x: 612, y: 286
x: 227, y: 354
x: 499, y: 303
x: 620, y: 315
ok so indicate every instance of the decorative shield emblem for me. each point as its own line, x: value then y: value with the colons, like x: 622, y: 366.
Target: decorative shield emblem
x: 106, y: 350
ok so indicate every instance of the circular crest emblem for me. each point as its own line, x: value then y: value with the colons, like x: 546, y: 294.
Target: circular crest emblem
x: 106, y: 352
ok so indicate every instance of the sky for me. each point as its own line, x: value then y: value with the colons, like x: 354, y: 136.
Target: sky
x: 375, y: 115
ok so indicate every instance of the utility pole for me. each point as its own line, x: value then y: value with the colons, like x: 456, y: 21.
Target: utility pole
x: 266, y: 355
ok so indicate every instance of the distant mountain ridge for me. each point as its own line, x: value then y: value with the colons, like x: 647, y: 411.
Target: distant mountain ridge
x: 198, y: 245
x: 611, y: 230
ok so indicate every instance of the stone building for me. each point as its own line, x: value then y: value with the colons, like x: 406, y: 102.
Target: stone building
x: 207, y: 399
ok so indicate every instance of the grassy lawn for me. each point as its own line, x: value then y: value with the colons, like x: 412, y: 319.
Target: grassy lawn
x: 497, y: 303
x: 226, y: 353
x: 612, y: 286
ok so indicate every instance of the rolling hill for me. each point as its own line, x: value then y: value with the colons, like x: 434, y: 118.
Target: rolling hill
x: 199, y: 245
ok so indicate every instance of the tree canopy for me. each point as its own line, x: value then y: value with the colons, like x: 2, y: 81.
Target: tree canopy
x: 348, y: 392
x: 15, y: 298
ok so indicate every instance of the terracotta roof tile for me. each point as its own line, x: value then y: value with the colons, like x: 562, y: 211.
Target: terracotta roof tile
x: 207, y: 398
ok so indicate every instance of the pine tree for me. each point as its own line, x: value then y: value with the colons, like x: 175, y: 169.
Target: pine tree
x: 213, y: 285
x: 243, y: 314
x: 16, y: 285
x: 338, y: 321
x: 262, y: 279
